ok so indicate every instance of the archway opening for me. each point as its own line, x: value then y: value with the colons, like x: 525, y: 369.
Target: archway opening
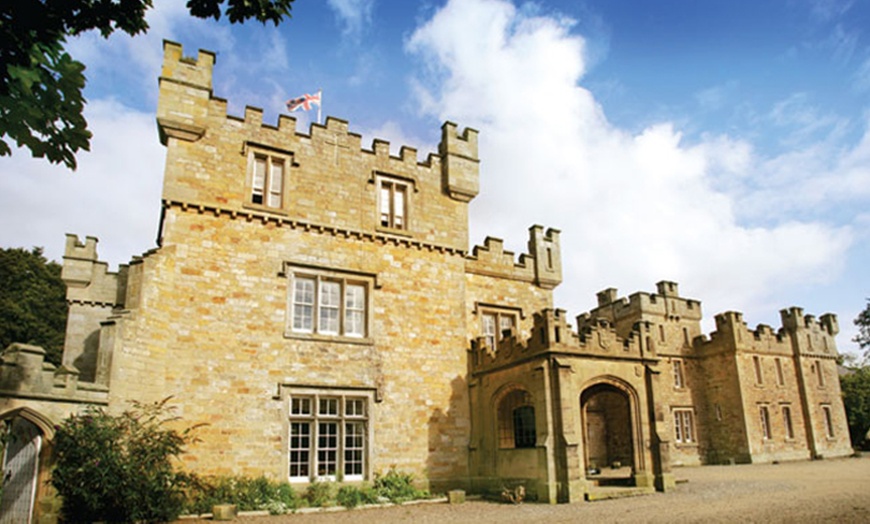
x: 607, y: 432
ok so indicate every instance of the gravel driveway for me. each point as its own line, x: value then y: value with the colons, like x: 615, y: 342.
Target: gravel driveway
x: 819, y: 491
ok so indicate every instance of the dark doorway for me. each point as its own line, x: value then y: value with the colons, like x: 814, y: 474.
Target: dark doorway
x: 607, y: 433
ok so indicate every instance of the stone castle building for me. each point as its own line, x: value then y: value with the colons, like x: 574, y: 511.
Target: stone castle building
x: 316, y: 304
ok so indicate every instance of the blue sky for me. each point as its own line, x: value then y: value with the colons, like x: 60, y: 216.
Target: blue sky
x: 720, y: 144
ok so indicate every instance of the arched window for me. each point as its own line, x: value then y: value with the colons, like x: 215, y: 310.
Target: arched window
x: 516, y: 420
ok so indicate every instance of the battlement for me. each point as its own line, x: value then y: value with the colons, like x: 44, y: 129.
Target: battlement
x: 551, y: 333
x: 667, y: 303
x: 460, y: 162
x: 77, y: 249
x: 541, y: 266
x: 193, y: 72
x: 89, y: 280
x: 793, y: 319
x: 730, y: 326
x: 799, y: 333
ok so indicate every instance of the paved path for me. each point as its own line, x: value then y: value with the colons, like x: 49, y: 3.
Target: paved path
x: 819, y: 491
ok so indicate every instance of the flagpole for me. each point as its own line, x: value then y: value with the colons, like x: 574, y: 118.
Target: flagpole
x: 320, y: 105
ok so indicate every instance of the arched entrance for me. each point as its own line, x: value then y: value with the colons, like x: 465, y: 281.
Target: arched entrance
x: 607, y: 431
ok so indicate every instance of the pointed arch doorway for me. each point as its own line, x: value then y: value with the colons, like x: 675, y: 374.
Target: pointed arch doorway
x: 608, y: 433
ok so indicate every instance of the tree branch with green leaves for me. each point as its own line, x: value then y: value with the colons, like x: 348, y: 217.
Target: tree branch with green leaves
x: 41, y: 101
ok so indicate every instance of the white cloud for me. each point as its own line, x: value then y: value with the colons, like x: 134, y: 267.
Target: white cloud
x: 128, y: 60
x: 354, y: 15
x: 634, y: 209
x: 114, y: 195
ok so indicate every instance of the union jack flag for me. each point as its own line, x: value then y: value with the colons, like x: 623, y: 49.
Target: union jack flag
x: 304, y: 102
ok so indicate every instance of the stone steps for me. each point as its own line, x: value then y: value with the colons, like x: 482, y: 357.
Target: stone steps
x: 616, y: 492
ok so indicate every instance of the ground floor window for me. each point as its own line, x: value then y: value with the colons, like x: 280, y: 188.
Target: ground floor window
x: 328, y: 435
x: 786, y: 418
x: 764, y: 415
x: 829, y: 422
x: 516, y: 421
x: 684, y: 426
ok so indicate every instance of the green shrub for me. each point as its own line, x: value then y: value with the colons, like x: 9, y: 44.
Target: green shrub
x: 398, y: 487
x: 352, y: 496
x: 118, y: 468
x: 248, y: 494
x: 319, y: 494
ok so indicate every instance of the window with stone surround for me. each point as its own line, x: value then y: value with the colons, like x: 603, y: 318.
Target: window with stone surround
x: 266, y: 182
x: 787, y: 422
x: 496, y: 325
x: 328, y: 303
x: 329, y: 435
x: 393, y: 202
x: 780, y: 376
x: 684, y: 426
x: 829, y: 421
x: 820, y: 374
x: 764, y: 417
x: 679, y: 378
x: 759, y: 376
x: 516, y: 420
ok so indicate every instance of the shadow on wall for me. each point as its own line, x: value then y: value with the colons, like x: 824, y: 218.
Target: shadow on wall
x: 447, y: 462
x: 86, y: 363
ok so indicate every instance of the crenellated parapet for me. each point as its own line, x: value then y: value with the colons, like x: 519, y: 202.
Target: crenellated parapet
x: 732, y: 332
x: 552, y: 334
x: 89, y: 280
x: 799, y: 333
x: 24, y: 374
x: 667, y: 303
x: 542, y: 266
x: 460, y: 163
x: 811, y: 336
x: 185, y: 93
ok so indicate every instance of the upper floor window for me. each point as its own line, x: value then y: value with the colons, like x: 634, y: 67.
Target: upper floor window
x: 497, y: 325
x: 330, y: 303
x: 267, y: 180
x: 679, y: 379
x: 820, y: 373
x: 759, y: 377
x: 780, y: 376
x: 392, y: 203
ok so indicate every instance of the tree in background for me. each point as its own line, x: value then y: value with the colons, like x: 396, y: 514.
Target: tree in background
x: 33, y: 306
x: 856, y: 399
x: 862, y: 321
x: 856, y: 384
x: 41, y: 85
